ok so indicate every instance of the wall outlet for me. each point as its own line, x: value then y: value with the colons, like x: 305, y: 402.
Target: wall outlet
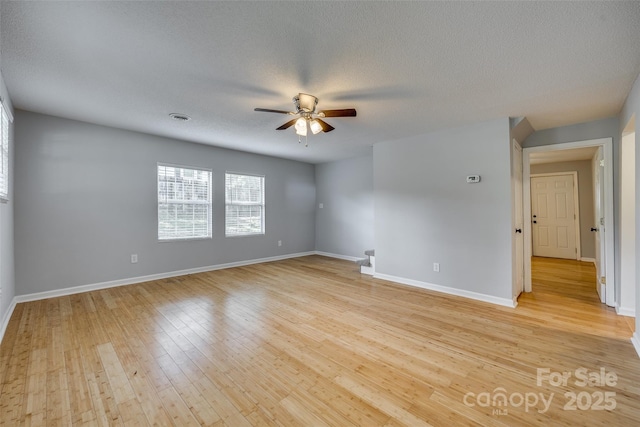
x: 279, y: 242
x: 436, y: 267
x: 321, y: 205
x: 134, y: 258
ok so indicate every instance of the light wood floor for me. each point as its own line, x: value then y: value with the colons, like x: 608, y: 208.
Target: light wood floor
x: 311, y: 342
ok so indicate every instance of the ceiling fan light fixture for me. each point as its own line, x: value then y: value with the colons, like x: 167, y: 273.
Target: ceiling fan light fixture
x: 307, y: 118
x: 301, y: 126
x: 315, y: 126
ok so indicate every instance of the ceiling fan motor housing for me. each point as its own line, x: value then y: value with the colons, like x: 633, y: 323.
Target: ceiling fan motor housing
x: 305, y: 103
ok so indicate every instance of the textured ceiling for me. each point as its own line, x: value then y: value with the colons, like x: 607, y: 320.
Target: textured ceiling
x: 408, y: 68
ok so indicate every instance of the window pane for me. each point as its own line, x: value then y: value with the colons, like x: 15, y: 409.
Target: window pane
x: 244, y: 195
x: 184, y: 203
x: 244, y: 220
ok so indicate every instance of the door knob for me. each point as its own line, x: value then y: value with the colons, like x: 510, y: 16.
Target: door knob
x: 518, y: 230
x: 535, y: 216
x: 535, y: 222
x: 594, y: 229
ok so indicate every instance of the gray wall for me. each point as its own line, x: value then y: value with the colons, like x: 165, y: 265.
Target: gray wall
x: 86, y: 198
x: 604, y: 128
x: 344, y: 226
x: 630, y: 109
x: 585, y: 194
x: 425, y: 212
x: 7, y: 282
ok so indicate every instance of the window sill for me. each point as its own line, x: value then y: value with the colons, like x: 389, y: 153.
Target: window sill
x: 244, y: 235
x: 185, y: 239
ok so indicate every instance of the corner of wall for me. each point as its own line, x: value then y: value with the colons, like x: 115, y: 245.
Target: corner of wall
x: 7, y: 267
x: 635, y: 340
x: 4, y: 322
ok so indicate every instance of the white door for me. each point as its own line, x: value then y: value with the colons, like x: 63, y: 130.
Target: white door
x: 598, y: 227
x: 518, y: 239
x: 553, y: 216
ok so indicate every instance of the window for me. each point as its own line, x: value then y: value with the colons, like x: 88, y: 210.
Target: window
x: 184, y: 203
x: 244, y: 195
x: 4, y: 153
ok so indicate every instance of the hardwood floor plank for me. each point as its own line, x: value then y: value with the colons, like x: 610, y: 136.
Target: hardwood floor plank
x: 122, y: 390
x: 177, y: 408
x: 378, y: 400
x: 310, y: 341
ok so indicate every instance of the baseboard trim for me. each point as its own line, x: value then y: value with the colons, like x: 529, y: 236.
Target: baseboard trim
x: 338, y: 256
x: 625, y: 311
x: 585, y: 259
x: 635, y: 340
x: 133, y: 280
x: 450, y: 291
x: 6, y: 318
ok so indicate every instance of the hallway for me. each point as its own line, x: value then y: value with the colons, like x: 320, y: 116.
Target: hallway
x: 565, y: 290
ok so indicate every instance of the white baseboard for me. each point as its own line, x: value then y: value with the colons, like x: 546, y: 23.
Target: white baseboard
x: 635, y: 340
x: 132, y: 280
x: 585, y: 259
x: 369, y: 271
x: 446, y: 290
x: 344, y: 257
x: 6, y: 318
x: 625, y: 311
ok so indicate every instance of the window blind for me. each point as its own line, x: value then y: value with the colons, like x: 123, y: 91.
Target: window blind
x: 4, y: 153
x: 184, y: 203
x: 244, y: 201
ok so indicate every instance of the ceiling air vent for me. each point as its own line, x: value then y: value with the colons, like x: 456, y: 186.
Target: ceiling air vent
x: 180, y: 117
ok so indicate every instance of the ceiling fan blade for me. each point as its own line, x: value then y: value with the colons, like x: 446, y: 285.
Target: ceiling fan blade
x: 267, y: 110
x: 287, y: 125
x: 326, y: 127
x: 347, y: 112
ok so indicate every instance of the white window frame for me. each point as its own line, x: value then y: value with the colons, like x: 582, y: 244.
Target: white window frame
x: 165, y: 202
x: 230, y: 202
x: 5, y: 119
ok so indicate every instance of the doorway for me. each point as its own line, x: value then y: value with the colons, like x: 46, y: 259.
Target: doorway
x: 555, y: 213
x: 605, y: 230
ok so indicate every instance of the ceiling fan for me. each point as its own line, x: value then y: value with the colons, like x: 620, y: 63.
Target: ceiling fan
x: 308, y: 117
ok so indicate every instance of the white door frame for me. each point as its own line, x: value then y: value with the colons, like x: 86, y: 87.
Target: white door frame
x: 517, y: 241
x: 576, y: 203
x: 607, y: 148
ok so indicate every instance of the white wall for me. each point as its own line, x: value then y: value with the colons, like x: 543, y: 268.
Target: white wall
x: 425, y: 212
x: 628, y: 225
x: 86, y: 198
x: 344, y: 226
x: 631, y: 109
x: 7, y: 280
x: 585, y: 196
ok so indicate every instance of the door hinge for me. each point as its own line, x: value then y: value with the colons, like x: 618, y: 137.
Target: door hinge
x: 576, y: 249
x: 603, y: 280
